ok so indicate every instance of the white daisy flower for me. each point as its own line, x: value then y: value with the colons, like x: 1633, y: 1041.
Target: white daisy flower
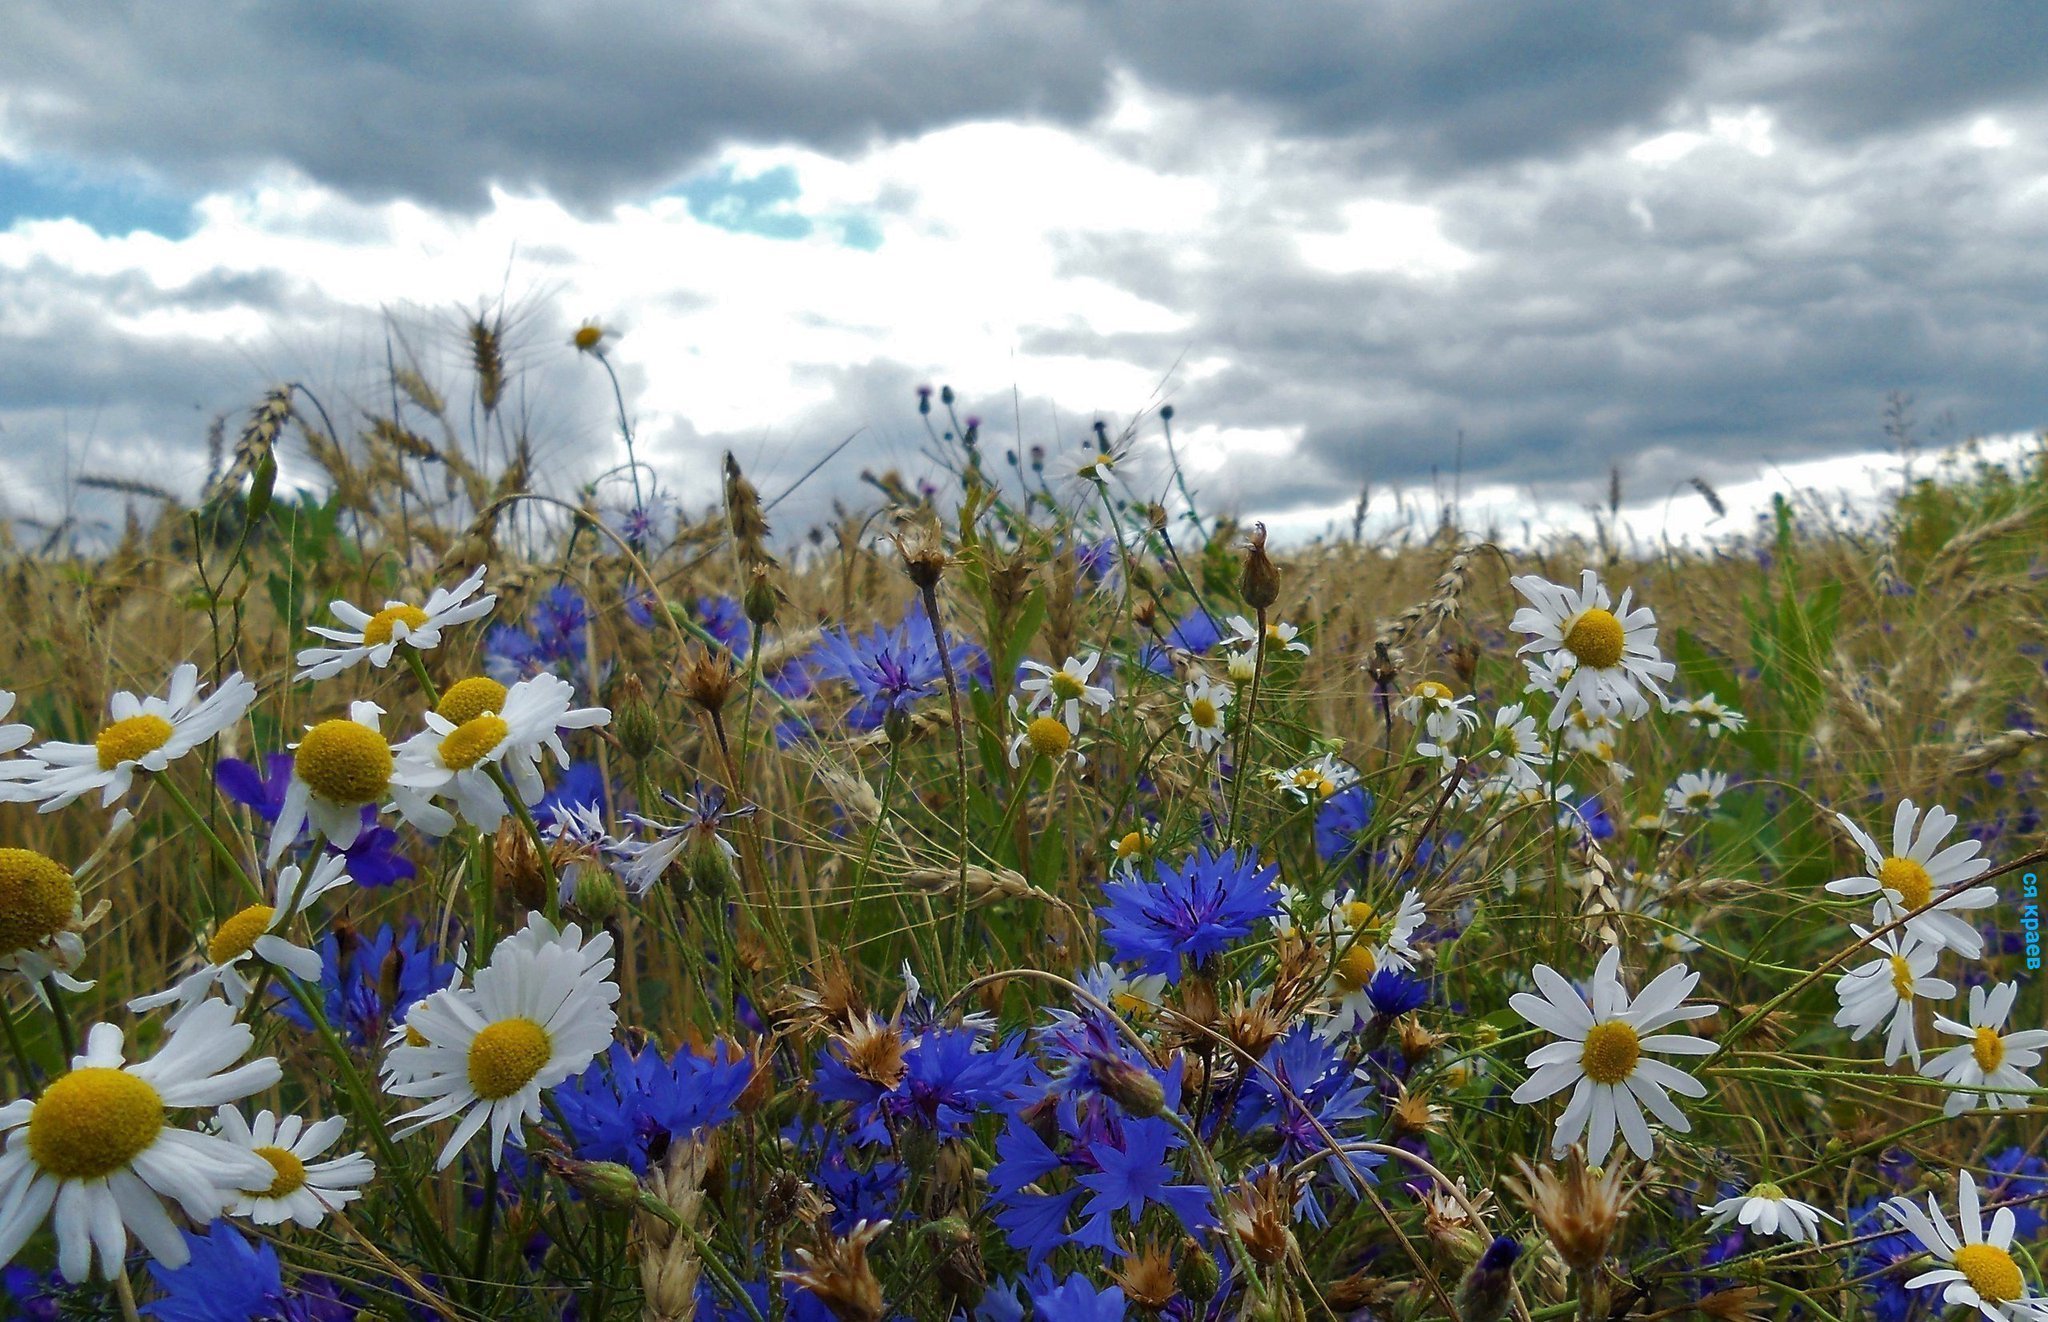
x: 301, y: 1189
x: 1597, y: 737
x: 1133, y: 847
x: 1614, y: 653
x: 537, y: 1014
x: 341, y: 767
x: 1602, y: 1058
x: 1548, y: 672
x: 1203, y: 715
x: 1086, y: 469
x: 1766, y: 1210
x: 1132, y: 995
x: 1989, y: 1061
x: 1241, y: 635
x: 256, y: 931
x: 97, y: 1152
x: 1916, y: 872
x: 1520, y: 751
x: 1697, y: 792
x: 15, y: 735
x: 453, y: 761
x: 1359, y: 945
x: 1061, y: 692
x: 1710, y: 714
x: 1312, y: 782
x: 1043, y: 736
x: 145, y: 734
x: 1981, y: 1272
x: 376, y: 637
x: 1887, y: 988
x: 1437, y: 712
x: 41, y: 919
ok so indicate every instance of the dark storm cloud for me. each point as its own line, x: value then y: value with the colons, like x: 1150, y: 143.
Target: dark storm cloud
x: 436, y: 101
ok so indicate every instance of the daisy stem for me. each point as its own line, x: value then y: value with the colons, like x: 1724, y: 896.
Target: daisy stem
x: 540, y: 845
x: 868, y: 851
x: 125, y: 1293
x: 746, y: 750
x: 220, y: 846
x: 419, y: 670
x: 28, y: 1078
x: 371, y: 1123
x: 482, y: 1260
x: 65, y: 1035
x: 938, y: 628
x: 1244, y: 727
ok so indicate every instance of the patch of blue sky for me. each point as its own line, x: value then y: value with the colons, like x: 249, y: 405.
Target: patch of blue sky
x: 113, y: 203
x: 766, y: 204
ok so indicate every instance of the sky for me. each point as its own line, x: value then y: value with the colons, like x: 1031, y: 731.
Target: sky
x: 1493, y: 249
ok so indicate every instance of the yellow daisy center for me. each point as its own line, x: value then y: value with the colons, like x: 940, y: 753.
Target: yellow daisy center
x: 291, y: 1173
x: 1902, y: 977
x: 1359, y: 914
x: 588, y: 335
x: 1765, y: 1189
x: 1356, y: 966
x: 470, y: 698
x: 1130, y: 1003
x: 1989, y: 1049
x: 414, y: 1037
x: 1611, y: 1052
x: 1431, y: 691
x: 37, y: 899
x: 1202, y: 712
x: 1132, y: 845
x: 239, y: 933
x: 470, y: 742
x: 378, y: 630
x: 130, y: 739
x: 93, y: 1122
x: 1064, y: 686
x: 1595, y: 638
x: 1909, y: 878
x: 344, y: 762
x: 506, y: 1055
x: 1047, y: 737
x: 1991, y: 1272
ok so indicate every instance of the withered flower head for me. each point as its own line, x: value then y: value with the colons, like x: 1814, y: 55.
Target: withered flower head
x: 1147, y: 1276
x: 873, y: 1049
x: 1259, y: 1214
x: 1417, y: 1041
x: 1412, y: 1112
x: 517, y: 865
x: 1578, y: 1209
x: 709, y: 679
x: 1260, y: 584
x: 924, y: 555
x: 837, y: 1273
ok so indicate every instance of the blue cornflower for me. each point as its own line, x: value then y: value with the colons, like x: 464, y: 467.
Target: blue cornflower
x: 725, y: 619
x: 1190, y: 913
x: 1339, y: 819
x: 2015, y: 1176
x: 262, y: 792
x: 1885, y: 1263
x: 858, y: 1187
x: 374, y: 859
x: 1133, y: 1173
x: 629, y: 1105
x: 639, y: 604
x: 1309, y: 1087
x: 1076, y: 1300
x: 892, y: 668
x: 1393, y: 993
x: 230, y: 1279
x: 1195, y: 633
x: 553, y: 640
x: 948, y: 1078
x: 33, y: 1296
x: 368, y: 985
x: 581, y: 785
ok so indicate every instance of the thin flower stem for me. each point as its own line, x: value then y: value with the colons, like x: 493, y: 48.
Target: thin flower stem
x: 65, y: 1036
x: 938, y: 628
x: 28, y: 1077
x: 220, y: 846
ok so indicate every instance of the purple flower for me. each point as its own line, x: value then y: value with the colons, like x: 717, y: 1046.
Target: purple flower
x: 1189, y: 913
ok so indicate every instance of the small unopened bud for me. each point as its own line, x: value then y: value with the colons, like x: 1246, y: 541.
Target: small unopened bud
x: 896, y: 725
x: 708, y: 864
x: 1166, y: 412
x: 945, y: 394
x: 1260, y: 585
x: 637, y: 724
x: 388, y: 974
x: 762, y: 599
x: 1484, y: 1294
x: 605, y: 1183
x: 1132, y: 1087
x: 597, y: 895
x: 1155, y: 516
x: 1196, y: 1275
x: 518, y: 865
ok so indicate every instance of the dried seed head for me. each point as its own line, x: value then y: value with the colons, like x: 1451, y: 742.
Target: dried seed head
x: 1259, y: 1214
x: 1579, y: 1210
x: 873, y: 1049
x: 1260, y: 584
x: 837, y: 1273
x: 518, y: 865
x: 709, y: 680
x: 1147, y: 1276
x: 924, y: 556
